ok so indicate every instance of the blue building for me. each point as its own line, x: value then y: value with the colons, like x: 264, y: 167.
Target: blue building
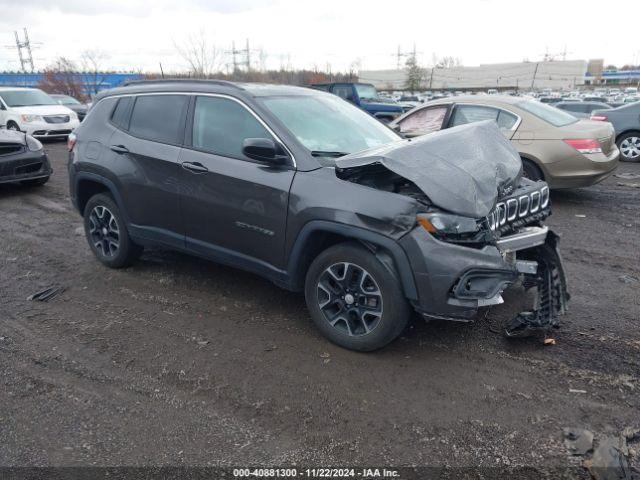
x: 614, y: 77
x: 92, y: 82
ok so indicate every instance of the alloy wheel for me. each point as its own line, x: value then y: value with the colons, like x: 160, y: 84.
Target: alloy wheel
x: 104, y: 231
x: 350, y: 299
x: 630, y: 147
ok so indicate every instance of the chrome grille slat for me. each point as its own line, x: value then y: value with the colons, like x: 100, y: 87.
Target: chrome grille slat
x: 518, y: 207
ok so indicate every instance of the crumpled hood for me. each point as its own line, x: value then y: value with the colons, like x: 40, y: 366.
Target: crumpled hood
x: 12, y: 137
x: 460, y: 169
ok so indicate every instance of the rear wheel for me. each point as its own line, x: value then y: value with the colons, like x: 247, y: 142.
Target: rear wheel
x: 531, y: 171
x: 107, y: 233
x: 354, y: 299
x: 629, y: 145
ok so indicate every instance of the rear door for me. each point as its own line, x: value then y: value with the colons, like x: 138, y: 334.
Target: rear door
x: 144, y: 151
x: 470, y: 113
x: 233, y: 207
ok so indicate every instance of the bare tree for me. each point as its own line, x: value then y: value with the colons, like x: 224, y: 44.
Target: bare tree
x: 92, y: 63
x: 203, y: 57
x: 446, y: 62
x: 63, y: 77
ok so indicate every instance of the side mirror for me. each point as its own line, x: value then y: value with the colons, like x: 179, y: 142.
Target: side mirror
x: 2, y: 107
x: 264, y: 150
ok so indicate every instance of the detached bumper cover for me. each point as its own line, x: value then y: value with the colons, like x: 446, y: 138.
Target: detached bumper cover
x: 453, y: 281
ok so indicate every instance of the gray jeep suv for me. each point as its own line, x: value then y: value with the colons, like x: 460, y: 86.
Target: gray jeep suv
x: 311, y: 192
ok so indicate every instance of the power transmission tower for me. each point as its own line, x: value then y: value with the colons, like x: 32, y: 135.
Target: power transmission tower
x: 24, y: 51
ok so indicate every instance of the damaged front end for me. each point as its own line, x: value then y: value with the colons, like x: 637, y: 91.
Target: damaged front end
x: 478, y: 224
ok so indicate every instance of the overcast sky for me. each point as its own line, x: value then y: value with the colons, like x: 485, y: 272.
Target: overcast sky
x: 137, y: 34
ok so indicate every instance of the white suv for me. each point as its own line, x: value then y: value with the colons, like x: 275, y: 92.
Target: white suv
x: 32, y: 111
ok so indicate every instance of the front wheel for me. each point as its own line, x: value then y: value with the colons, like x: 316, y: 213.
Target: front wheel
x: 107, y: 233
x: 629, y: 146
x: 354, y: 299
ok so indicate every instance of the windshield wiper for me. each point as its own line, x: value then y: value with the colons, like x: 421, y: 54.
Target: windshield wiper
x: 323, y: 153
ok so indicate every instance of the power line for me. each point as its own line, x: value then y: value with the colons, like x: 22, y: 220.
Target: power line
x: 24, y: 48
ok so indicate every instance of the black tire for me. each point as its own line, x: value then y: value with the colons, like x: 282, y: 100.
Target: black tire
x: 377, y: 293
x: 107, y: 233
x: 13, y: 126
x: 629, y: 146
x: 531, y: 171
x: 37, y: 182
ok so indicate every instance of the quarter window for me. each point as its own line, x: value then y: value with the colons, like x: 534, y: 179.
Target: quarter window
x: 120, y: 116
x: 159, y: 117
x: 220, y: 126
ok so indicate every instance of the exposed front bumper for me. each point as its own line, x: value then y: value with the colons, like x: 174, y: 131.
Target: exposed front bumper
x: 25, y: 166
x: 453, y: 281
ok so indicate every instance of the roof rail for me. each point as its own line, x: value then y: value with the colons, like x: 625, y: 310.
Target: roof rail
x: 181, y: 80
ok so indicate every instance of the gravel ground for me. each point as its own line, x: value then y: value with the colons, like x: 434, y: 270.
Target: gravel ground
x: 178, y: 361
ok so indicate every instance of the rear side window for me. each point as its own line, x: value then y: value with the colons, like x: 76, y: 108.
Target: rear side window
x: 220, y: 126
x: 120, y: 116
x: 464, y: 114
x: 159, y: 117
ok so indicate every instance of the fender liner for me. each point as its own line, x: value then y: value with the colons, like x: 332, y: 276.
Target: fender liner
x: 113, y: 190
x: 397, y: 254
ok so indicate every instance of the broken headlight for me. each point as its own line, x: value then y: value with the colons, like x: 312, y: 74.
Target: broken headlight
x: 455, y: 228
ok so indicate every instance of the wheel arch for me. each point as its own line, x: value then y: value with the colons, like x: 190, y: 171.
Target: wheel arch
x: 626, y: 132
x: 89, y: 184
x: 318, y: 235
x: 536, y: 162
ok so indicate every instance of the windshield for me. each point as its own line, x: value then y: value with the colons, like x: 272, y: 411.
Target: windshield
x: 66, y: 100
x: 552, y: 115
x: 26, y: 98
x: 366, y: 92
x: 326, y: 123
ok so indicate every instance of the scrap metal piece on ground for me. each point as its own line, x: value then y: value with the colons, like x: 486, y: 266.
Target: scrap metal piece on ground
x: 609, y: 461
x: 46, y: 294
x: 577, y: 440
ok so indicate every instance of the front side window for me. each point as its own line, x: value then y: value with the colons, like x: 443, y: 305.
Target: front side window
x: 325, y: 123
x: 159, y: 117
x: 344, y: 91
x: 425, y: 120
x: 366, y: 91
x: 220, y: 126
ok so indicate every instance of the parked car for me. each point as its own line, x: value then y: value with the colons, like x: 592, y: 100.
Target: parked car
x: 311, y: 192
x: 71, y: 103
x: 581, y: 109
x: 549, y: 100
x: 365, y: 96
x: 32, y: 111
x: 22, y: 159
x: 626, y: 123
x: 554, y: 146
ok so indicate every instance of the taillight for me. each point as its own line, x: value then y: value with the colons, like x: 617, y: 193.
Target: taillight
x: 599, y: 118
x: 71, y: 141
x: 585, y: 145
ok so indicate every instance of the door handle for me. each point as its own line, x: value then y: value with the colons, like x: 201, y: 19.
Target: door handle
x: 195, y: 167
x: 119, y: 149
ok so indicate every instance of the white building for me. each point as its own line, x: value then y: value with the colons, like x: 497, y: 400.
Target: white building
x: 525, y: 75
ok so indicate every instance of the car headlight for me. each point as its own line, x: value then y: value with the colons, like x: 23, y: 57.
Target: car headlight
x: 31, y: 118
x: 447, y: 224
x: 33, y: 144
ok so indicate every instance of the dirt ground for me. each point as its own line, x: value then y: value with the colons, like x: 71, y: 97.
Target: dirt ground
x: 178, y: 361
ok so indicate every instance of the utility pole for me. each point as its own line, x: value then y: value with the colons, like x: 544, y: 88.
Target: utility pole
x: 248, y: 56
x: 24, y: 51
x: 535, y: 72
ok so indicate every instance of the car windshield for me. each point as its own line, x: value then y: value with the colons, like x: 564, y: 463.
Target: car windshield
x: 329, y: 126
x: 366, y: 92
x: 66, y: 100
x: 26, y: 98
x: 552, y: 115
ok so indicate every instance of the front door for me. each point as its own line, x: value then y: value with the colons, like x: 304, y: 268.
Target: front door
x: 233, y: 207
